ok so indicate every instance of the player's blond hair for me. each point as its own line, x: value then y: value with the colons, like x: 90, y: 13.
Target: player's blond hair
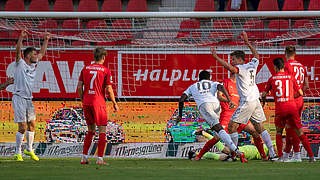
x: 98, y: 53
x: 290, y: 50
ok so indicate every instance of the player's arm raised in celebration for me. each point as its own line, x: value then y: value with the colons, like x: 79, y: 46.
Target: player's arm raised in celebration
x: 222, y: 62
x: 222, y: 89
x: 7, y: 83
x: 182, y: 99
x: 80, y: 90
x: 112, y: 98
x: 19, y: 45
x: 44, y: 46
x: 252, y: 49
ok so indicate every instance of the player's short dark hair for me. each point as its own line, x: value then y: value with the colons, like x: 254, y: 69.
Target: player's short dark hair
x: 98, y: 53
x: 290, y: 50
x: 278, y: 62
x: 28, y: 50
x: 204, y: 75
x: 238, y: 54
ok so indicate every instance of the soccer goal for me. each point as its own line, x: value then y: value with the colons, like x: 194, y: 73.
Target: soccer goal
x: 153, y: 58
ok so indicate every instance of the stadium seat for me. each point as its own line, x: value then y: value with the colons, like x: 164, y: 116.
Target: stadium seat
x: 88, y: 6
x: 288, y: 43
x: 243, y: 6
x: 48, y: 25
x: 14, y: 5
x: 137, y: 6
x: 293, y: 5
x: 222, y: 24
x: 39, y: 5
x: 189, y: 24
x: 121, y: 24
x: 8, y: 43
x: 313, y: 43
x: 254, y: 24
x: 314, y: 5
x: 268, y: 5
x: 112, y: 5
x: 305, y: 25
x: 22, y: 25
x: 63, y: 5
x: 204, y: 5
x: 277, y: 24
x: 97, y: 35
x: 79, y: 43
x: 72, y: 27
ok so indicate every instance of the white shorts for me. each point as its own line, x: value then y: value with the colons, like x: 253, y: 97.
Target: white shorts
x: 211, y: 113
x: 23, y: 109
x: 246, y: 111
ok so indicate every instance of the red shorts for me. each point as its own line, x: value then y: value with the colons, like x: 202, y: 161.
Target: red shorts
x: 299, y: 103
x: 289, y: 115
x: 225, y: 119
x: 95, y: 115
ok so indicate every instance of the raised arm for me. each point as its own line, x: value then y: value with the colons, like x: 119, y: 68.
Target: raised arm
x: 252, y: 49
x: 111, y: 96
x: 7, y: 83
x: 222, y: 62
x: 19, y: 44
x: 182, y: 99
x: 44, y: 46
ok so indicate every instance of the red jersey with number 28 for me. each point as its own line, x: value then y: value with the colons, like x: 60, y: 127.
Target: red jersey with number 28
x: 283, y: 87
x: 95, y: 78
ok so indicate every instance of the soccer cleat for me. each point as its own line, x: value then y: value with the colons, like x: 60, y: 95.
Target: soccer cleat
x: 191, y: 154
x: 31, y: 154
x: 280, y: 159
x: 274, y: 158
x: 312, y: 159
x: 101, y: 162
x: 18, y: 157
x: 197, y: 132
x: 242, y: 158
x: 84, y: 161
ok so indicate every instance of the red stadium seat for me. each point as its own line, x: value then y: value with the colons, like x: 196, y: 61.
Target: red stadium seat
x: 112, y: 5
x: 243, y: 6
x: 20, y: 24
x: 137, y: 6
x: 39, y: 5
x: 8, y: 43
x: 304, y: 24
x: 293, y: 5
x: 314, y: 5
x: 204, y: 5
x: 72, y: 27
x: 313, y: 43
x: 88, y: 6
x: 254, y: 24
x: 63, y: 5
x: 222, y: 24
x: 121, y: 35
x: 189, y: 24
x: 288, y: 43
x: 99, y: 25
x: 268, y: 5
x: 48, y: 25
x: 277, y: 24
x: 79, y: 43
x: 14, y: 5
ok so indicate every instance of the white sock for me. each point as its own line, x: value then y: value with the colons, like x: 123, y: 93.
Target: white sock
x: 30, y: 138
x: 100, y: 158
x: 19, y: 140
x: 296, y: 155
x: 84, y: 156
x: 286, y: 155
x: 227, y: 139
x: 267, y: 141
x: 235, y: 137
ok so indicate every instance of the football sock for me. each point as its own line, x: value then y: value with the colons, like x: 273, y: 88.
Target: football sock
x: 267, y: 141
x: 306, y: 144
x: 209, y: 144
x: 101, y: 144
x: 207, y: 135
x: 234, y: 137
x: 19, y: 140
x: 279, y: 143
x: 210, y: 155
x: 226, y: 139
x: 219, y: 146
x: 259, y: 145
x: 288, y: 145
x: 30, y: 138
x: 87, y: 142
x: 295, y: 141
x: 296, y: 155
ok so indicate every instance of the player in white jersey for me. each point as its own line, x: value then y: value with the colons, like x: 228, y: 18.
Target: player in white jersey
x: 204, y: 93
x: 24, y: 113
x: 249, y: 106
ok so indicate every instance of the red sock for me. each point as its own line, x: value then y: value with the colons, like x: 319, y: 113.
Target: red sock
x: 279, y: 144
x: 87, y: 142
x: 101, y: 144
x: 207, y: 147
x: 306, y: 144
x: 295, y: 140
x: 288, y: 141
x: 259, y: 145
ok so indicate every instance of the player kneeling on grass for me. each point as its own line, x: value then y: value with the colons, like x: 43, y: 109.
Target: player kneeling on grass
x: 283, y: 87
x: 204, y: 93
x: 95, y: 79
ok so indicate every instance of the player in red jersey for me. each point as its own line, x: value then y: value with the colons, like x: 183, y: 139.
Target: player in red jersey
x: 94, y: 81
x: 283, y: 87
x: 298, y: 71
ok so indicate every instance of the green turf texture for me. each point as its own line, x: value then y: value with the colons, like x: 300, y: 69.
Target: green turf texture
x: 144, y: 169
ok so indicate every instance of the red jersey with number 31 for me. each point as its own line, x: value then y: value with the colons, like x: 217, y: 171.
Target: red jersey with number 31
x: 95, y: 78
x: 283, y: 87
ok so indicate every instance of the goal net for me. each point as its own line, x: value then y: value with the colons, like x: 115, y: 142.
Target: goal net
x: 153, y: 58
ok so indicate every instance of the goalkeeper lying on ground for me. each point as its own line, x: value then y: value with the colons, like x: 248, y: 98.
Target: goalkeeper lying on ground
x: 250, y: 151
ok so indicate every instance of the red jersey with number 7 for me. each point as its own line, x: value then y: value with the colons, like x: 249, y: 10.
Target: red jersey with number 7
x: 95, y: 78
x: 283, y: 87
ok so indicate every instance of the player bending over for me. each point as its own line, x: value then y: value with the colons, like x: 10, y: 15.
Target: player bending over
x: 249, y: 106
x: 24, y: 113
x: 204, y: 93
x: 95, y: 79
x: 283, y: 86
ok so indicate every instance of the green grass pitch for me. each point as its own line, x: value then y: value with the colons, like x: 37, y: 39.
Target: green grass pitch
x: 145, y: 169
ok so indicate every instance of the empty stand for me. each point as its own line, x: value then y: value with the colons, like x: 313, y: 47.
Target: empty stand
x: 112, y: 5
x: 39, y: 5
x: 268, y: 5
x: 254, y: 24
x: 279, y: 25
x: 14, y: 5
x: 63, y: 5
x: 189, y: 24
x: 88, y: 6
x: 243, y: 6
x: 293, y: 5
x: 314, y: 5
x: 204, y: 5
x: 222, y: 24
x: 121, y: 35
x: 137, y: 6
